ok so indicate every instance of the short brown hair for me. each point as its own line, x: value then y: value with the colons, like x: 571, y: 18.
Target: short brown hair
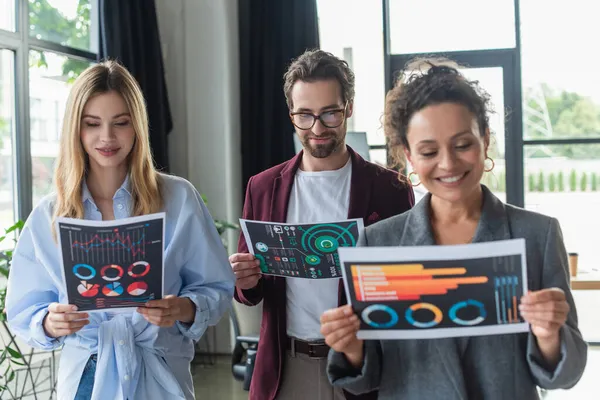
x: 315, y: 65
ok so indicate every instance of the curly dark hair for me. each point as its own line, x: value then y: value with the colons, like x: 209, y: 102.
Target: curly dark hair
x: 315, y: 65
x: 426, y: 82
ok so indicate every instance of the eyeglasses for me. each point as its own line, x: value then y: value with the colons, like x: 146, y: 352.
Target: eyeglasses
x: 329, y: 118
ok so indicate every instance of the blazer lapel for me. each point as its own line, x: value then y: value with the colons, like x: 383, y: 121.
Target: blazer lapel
x: 282, y: 189
x: 417, y: 230
x: 493, y: 223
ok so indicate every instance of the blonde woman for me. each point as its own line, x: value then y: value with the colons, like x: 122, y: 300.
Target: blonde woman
x: 104, y: 171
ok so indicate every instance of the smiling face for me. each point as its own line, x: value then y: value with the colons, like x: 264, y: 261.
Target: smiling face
x: 321, y: 97
x: 447, y: 150
x: 107, y: 132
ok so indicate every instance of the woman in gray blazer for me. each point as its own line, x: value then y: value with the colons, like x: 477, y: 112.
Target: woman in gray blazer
x: 439, y: 119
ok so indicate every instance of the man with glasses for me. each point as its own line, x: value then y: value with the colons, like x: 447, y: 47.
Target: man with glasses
x: 326, y: 182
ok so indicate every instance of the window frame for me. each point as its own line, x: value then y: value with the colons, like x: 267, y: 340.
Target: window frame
x: 516, y: 143
x: 21, y: 43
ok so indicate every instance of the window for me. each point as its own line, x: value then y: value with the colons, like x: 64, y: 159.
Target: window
x: 363, y: 50
x: 8, y: 14
x: 561, y: 121
x: 7, y: 130
x: 559, y: 70
x: 62, y: 40
x: 564, y: 181
x: 426, y: 26
x: 50, y: 78
x: 65, y: 22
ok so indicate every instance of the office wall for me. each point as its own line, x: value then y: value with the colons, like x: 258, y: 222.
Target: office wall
x: 200, y: 48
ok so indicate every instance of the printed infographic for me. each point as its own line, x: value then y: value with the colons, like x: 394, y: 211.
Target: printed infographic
x: 437, y: 291
x: 308, y: 251
x: 112, y: 265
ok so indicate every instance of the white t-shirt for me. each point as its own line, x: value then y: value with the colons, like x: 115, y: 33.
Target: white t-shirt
x: 316, y: 197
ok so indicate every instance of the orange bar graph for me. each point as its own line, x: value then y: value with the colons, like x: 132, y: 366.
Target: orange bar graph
x: 406, y: 282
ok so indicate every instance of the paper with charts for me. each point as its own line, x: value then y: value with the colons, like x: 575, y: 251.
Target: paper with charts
x: 112, y: 265
x: 436, y: 291
x: 300, y: 250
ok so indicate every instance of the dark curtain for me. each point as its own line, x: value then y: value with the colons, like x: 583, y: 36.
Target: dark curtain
x: 271, y: 33
x: 129, y: 34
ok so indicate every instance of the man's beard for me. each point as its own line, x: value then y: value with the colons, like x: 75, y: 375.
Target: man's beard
x: 321, y: 150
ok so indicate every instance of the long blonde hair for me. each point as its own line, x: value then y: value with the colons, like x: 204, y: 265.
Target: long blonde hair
x: 72, y: 161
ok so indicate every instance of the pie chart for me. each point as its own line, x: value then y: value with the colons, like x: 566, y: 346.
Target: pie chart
x: 137, y: 288
x: 112, y: 289
x: 88, y: 289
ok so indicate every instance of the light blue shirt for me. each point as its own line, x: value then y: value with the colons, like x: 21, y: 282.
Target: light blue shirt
x: 136, y: 360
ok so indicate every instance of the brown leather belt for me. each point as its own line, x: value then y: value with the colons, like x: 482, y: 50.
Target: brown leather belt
x: 312, y: 349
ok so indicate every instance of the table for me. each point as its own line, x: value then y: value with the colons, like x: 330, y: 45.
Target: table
x: 590, y: 281
x: 586, y: 281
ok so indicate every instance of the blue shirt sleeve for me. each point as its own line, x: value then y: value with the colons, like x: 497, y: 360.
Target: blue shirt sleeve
x: 30, y: 291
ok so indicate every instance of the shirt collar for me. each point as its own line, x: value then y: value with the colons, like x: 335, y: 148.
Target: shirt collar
x: 124, y: 190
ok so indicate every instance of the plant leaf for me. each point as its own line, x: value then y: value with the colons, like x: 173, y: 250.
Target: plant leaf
x: 14, y: 353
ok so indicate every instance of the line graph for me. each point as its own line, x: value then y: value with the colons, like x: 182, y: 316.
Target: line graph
x: 101, y: 247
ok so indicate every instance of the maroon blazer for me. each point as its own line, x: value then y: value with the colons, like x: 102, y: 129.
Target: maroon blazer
x: 375, y: 194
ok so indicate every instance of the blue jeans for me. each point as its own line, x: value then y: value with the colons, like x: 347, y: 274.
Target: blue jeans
x: 86, y: 384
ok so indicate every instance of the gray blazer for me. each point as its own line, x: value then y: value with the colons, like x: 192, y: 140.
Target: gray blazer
x: 498, y: 367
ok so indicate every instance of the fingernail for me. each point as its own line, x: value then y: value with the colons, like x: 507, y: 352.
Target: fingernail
x: 74, y: 308
x: 348, y: 311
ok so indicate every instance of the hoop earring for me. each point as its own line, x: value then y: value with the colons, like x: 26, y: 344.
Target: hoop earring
x: 493, y: 164
x: 410, y: 180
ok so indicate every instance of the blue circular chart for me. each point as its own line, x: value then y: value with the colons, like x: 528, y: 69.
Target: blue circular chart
x: 77, y: 268
x: 464, y: 304
x: 366, y: 316
x: 437, y: 315
x: 260, y: 246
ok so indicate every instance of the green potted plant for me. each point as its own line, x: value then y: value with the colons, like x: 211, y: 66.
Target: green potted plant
x: 8, y: 355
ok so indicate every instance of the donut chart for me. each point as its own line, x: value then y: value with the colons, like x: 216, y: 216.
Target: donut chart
x: 78, y: 268
x: 313, y: 260
x: 463, y: 304
x: 437, y: 315
x: 323, y: 239
x: 144, y: 266
x: 137, y: 288
x: 112, y: 289
x: 366, y: 316
x: 106, y: 268
x: 326, y: 244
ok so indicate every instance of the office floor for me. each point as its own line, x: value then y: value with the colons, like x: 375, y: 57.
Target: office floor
x: 215, y: 382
